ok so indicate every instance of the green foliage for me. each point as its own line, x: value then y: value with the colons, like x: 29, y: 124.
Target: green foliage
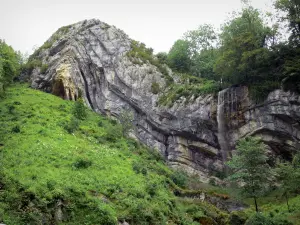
x: 250, y: 168
x: 179, y: 56
x: 237, y: 218
x: 259, y: 219
x: 96, y: 183
x: 243, y: 40
x: 140, y: 54
x: 80, y: 110
x: 179, y: 177
x: 203, y: 52
x: 162, y: 57
x: 44, y: 68
x: 288, y: 175
x: 291, y: 9
x: 82, y: 164
x: 190, y: 87
x: 9, y: 65
x: 155, y: 87
x: 72, y: 125
x: 126, y: 120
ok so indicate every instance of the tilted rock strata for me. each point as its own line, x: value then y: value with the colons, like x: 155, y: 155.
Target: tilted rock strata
x: 91, y: 59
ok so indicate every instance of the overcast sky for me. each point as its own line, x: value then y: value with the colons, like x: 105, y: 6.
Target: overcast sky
x: 158, y: 23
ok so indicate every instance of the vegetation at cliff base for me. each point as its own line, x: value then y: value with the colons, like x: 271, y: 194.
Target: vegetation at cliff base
x: 10, y: 61
x: 87, y: 173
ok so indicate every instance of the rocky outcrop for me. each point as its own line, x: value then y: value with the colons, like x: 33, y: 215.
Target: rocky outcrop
x: 90, y: 59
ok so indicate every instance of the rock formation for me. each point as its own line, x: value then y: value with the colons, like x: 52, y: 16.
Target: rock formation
x: 90, y: 57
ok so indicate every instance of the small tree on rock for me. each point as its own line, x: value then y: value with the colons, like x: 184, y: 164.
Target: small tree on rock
x: 126, y: 120
x: 250, y: 169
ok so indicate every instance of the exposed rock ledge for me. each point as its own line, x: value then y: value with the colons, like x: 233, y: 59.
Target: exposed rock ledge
x: 91, y: 58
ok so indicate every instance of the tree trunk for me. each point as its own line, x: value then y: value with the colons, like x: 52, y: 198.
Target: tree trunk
x: 255, y: 202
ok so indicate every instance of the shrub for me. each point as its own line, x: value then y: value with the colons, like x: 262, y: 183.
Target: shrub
x: 82, y: 164
x: 139, y: 167
x: 259, y: 219
x: 16, y: 129
x: 179, y: 177
x: 11, y: 109
x: 126, y: 120
x: 79, y: 110
x: 237, y: 218
x: 155, y: 88
x: 72, y: 126
x: 140, y: 54
x: 44, y: 68
x: 113, y: 133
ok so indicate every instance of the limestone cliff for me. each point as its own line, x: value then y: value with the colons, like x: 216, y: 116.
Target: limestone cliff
x: 91, y: 58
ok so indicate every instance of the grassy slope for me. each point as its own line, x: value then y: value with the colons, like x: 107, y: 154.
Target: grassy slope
x: 97, y: 176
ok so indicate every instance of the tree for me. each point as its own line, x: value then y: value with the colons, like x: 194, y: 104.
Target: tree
x: 288, y: 174
x: 243, y: 47
x: 250, y: 168
x: 126, y: 120
x: 9, y: 65
x: 291, y: 9
x: 179, y: 56
x: 202, y: 48
x: 162, y: 57
x: 203, y: 38
x: 79, y: 110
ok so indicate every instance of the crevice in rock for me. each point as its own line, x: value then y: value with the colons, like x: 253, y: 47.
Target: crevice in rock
x: 86, y: 88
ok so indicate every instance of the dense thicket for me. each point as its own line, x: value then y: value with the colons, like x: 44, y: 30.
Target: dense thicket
x: 9, y: 65
x: 248, y: 50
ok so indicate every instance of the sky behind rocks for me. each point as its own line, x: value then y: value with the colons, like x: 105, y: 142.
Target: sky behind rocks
x: 157, y: 23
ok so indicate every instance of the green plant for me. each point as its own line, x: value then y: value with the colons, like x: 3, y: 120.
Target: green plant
x: 155, y: 87
x: 179, y: 177
x: 249, y: 166
x: 72, y: 125
x: 126, y: 120
x: 79, y: 110
x: 259, y: 219
x: 140, y: 54
x: 16, y: 129
x: 44, y: 68
x: 82, y: 163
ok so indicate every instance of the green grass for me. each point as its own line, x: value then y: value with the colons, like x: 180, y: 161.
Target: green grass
x: 97, y: 175
x: 274, y: 206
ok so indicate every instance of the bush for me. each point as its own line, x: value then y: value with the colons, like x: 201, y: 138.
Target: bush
x: 139, y: 167
x: 113, y: 133
x: 11, y: 109
x: 79, y: 110
x: 179, y: 177
x: 82, y: 164
x: 16, y: 129
x: 155, y: 88
x: 237, y: 218
x: 126, y: 120
x: 44, y: 68
x: 259, y: 219
x: 72, y: 126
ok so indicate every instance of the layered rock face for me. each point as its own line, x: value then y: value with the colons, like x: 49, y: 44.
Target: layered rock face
x: 90, y: 59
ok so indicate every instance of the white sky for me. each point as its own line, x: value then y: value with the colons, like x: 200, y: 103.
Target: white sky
x: 158, y: 23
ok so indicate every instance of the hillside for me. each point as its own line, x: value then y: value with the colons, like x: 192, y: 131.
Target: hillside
x: 192, y: 122
x: 90, y: 176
